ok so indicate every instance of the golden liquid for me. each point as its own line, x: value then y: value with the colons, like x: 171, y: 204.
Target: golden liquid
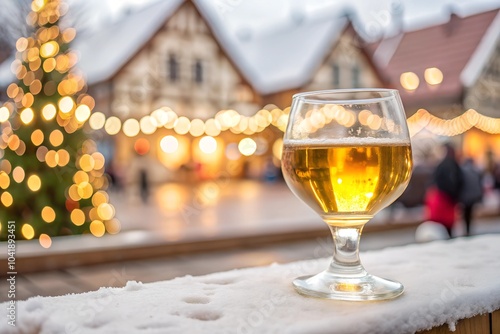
x: 345, y: 181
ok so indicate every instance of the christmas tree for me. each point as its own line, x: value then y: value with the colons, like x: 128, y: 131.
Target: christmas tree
x: 51, y: 175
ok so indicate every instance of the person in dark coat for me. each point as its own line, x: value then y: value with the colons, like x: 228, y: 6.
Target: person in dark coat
x: 472, y: 191
x: 442, y: 198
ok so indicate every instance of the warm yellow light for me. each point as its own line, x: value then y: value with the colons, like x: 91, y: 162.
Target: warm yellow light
x: 6, y: 199
x: 363, y: 116
x: 49, y: 65
x: 37, y: 5
x: 14, y: 142
x: 80, y: 177
x: 105, y: 211
x: 97, y: 228
x: 27, y: 115
x: 73, y: 193
x: 148, y: 125
x: 63, y: 157
x: 27, y: 100
x: 208, y: 145
x: 85, y: 190
x: 36, y: 87
x: 48, y: 214
x: 34, y: 183
x: 4, y: 180
x: 37, y: 137
x: 160, y: 116
x: 77, y: 217
x: 247, y: 146
x: 21, y: 44
x: 68, y: 35
x: 52, y: 158
x: 197, y: 127
x: 87, y: 163
x: 278, y: 148
x: 212, y: 127
x: 82, y: 113
x: 113, y: 125
x: 27, y: 231
x: 98, y: 160
x: 49, y: 111
x: 374, y: 122
x: 97, y: 120
x: 169, y: 144
x: 171, y: 119
x: 18, y: 174
x: 4, y: 114
x: 45, y: 240
x: 182, y: 125
x: 433, y: 76
x: 131, y: 127
x: 49, y: 49
x: 409, y: 81
x: 113, y: 226
x: 56, y: 138
x: 99, y: 198
x: 66, y: 104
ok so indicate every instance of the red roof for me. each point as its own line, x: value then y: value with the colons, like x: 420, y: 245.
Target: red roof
x: 448, y: 47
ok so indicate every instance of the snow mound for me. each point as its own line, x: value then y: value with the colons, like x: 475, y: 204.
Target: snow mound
x: 445, y: 281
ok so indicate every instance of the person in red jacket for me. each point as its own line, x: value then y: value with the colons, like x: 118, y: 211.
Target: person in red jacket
x: 443, y: 196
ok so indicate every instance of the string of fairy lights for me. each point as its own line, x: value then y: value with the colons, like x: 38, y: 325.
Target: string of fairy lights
x: 231, y: 120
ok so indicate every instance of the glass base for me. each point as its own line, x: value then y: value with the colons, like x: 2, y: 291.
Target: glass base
x: 329, y: 286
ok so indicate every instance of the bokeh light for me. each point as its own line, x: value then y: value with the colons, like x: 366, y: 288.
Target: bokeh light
x: 169, y: 144
x: 208, y: 144
x: 247, y: 146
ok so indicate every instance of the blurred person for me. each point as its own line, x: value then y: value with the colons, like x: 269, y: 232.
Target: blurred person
x: 471, y: 192
x: 442, y: 197
x: 144, y: 185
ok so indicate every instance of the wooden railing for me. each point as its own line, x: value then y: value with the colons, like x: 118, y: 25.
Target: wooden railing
x: 481, y: 324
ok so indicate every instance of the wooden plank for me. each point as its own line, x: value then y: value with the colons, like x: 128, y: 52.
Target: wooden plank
x: 480, y: 324
x: 495, y: 322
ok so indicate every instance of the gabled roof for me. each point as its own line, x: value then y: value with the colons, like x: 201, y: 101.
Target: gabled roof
x: 459, y: 48
x: 280, y: 59
x: 110, y: 48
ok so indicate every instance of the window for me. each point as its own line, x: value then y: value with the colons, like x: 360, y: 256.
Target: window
x: 173, y: 68
x: 198, y: 72
x: 355, y: 77
x: 336, y: 75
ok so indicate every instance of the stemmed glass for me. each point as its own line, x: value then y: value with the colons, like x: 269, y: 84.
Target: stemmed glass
x: 347, y: 155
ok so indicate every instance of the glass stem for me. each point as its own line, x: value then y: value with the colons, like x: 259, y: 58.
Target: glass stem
x: 345, y: 260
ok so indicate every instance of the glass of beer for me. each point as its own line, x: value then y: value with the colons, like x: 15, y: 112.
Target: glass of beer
x: 347, y: 155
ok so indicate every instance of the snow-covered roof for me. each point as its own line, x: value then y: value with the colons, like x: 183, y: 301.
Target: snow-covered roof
x: 482, y: 54
x: 444, y: 281
x: 282, y: 58
x: 108, y: 50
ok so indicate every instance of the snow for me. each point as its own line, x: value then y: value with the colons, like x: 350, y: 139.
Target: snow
x: 445, y: 281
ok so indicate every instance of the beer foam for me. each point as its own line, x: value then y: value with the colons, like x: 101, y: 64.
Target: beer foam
x: 348, y: 141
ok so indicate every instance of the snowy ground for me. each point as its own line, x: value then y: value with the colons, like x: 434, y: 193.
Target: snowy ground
x: 444, y: 280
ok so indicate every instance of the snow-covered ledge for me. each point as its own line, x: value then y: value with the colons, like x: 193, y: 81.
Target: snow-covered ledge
x: 445, y: 281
